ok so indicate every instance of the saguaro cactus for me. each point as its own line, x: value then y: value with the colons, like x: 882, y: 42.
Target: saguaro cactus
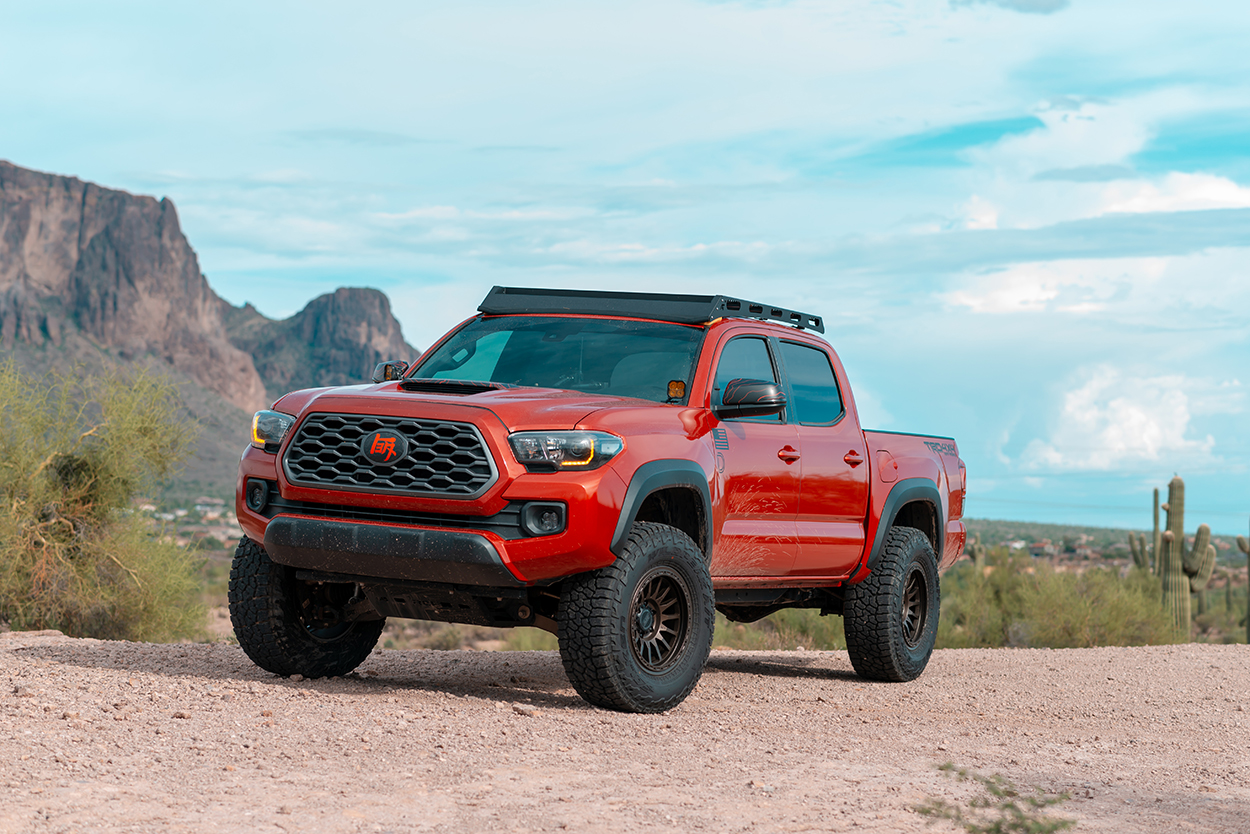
x: 1178, y: 569
x: 1205, y: 567
x: 1156, y: 539
x: 1147, y: 558
x: 1141, y: 554
x: 1244, y: 546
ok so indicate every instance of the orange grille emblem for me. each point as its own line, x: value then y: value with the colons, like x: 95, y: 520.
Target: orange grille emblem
x: 383, y: 446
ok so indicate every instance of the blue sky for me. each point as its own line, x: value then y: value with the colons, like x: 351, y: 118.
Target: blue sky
x: 1027, y: 222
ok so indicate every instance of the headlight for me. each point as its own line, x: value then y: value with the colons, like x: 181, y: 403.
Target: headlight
x: 268, y: 429
x: 552, y: 451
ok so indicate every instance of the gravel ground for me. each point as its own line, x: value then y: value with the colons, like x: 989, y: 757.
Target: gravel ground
x: 105, y: 736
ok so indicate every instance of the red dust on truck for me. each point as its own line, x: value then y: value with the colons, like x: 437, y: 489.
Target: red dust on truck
x: 611, y: 467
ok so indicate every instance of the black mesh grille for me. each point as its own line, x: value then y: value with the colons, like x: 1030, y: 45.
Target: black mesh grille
x: 448, y: 460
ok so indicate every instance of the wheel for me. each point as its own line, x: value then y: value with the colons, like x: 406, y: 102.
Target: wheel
x: 290, y: 627
x: 891, y: 618
x: 634, y: 636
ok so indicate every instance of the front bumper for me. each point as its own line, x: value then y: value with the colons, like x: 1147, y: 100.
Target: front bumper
x: 477, y: 542
x: 384, y: 551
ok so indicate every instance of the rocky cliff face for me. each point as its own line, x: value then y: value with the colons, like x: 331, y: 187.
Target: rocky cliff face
x: 336, y: 340
x: 117, y: 268
x: 78, y: 260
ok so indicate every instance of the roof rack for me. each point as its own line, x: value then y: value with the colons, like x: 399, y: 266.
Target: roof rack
x: 682, y: 309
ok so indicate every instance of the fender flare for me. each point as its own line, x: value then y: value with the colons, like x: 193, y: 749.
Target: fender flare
x: 907, y: 491
x: 653, y: 476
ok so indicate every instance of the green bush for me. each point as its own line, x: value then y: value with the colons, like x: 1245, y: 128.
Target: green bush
x: 75, y: 451
x: 786, y: 629
x: 1020, y: 602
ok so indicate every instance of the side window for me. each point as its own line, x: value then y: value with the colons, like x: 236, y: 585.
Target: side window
x: 816, y: 396
x: 744, y: 358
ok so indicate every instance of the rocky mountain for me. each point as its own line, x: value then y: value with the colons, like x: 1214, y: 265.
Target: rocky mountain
x: 116, y: 268
x: 101, y: 278
x: 336, y: 340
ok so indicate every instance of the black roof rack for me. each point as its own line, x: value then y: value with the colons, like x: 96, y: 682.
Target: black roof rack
x: 683, y: 309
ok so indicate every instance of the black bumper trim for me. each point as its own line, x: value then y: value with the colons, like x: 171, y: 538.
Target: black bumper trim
x: 506, y: 524
x: 386, y: 552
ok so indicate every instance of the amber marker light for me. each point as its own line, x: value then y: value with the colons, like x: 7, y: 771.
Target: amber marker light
x: 676, y: 389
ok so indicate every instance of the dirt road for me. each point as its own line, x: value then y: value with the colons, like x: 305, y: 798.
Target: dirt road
x: 100, y: 736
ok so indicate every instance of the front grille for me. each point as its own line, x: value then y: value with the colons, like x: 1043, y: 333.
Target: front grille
x: 445, y: 459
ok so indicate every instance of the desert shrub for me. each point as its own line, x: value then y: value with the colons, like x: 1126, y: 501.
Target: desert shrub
x: 997, y: 807
x: 786, y: 629
x: 1019, y: 602
x: 525, y: 639
x: 75, y: 451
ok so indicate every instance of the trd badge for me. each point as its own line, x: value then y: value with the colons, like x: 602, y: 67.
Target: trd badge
x: 384, y: 447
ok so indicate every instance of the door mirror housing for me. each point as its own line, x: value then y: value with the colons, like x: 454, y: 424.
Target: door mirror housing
x: 750, y: 398
x: 389, y: 371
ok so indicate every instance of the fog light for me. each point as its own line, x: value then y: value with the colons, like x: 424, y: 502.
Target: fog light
x: 543, y: 518
x: 256, y: 496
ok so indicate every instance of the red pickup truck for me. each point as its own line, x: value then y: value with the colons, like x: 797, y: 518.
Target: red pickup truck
x: 612, y: 467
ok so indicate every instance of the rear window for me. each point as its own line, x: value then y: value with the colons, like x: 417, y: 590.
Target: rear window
x: 600, y: 356
x: 816, y: 397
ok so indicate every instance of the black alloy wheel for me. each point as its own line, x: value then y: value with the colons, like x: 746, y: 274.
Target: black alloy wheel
x: 660, y: 619
x: 635, y: 635
x: 320, y: 606
x: 915, y: 606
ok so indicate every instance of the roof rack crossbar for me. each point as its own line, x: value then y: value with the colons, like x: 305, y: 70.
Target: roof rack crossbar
x: 682, y: 309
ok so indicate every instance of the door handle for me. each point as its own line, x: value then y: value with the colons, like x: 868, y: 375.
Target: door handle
x: 852, y: 457
x: 789, y: 454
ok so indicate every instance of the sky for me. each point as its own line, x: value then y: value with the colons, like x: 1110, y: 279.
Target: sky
x: 1026, y: 222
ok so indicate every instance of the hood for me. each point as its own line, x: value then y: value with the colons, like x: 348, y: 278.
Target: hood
x: 518, y: 409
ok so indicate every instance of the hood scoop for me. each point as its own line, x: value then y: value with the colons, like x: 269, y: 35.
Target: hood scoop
x: 452, y: 387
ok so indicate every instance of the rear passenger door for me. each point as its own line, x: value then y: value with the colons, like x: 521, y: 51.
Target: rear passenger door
x: 757, y: 465
x: 833, y: 494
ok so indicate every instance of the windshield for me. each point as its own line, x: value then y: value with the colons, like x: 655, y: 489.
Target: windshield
x: 600, y: 356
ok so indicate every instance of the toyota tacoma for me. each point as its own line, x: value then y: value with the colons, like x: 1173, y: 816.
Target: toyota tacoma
x: 613, y: 467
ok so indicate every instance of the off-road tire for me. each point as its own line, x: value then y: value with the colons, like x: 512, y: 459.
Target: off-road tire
x: 610, y: 659
x: 267, y: 620
x: 891, y: 618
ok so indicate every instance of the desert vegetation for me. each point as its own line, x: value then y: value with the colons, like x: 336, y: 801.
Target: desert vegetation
x: 76, y: 450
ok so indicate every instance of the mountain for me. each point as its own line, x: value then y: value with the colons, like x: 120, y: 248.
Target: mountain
x: 116, y: 268
x: 335, y: 340
x: 101, y: 278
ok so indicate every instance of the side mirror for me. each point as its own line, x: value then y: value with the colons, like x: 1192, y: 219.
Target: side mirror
x: 750, y: 398
x: 389, y: 371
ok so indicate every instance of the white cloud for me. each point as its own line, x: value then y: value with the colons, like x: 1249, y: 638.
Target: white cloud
x: 585, y: 250
x: 1070, y: 286
x: 1021, y: 176
x: 1113, y: 419
x: 872, y: 411
x: 1200, y: 292
x: 1175, y: 192
x: 980, y: 214
x: 452, y: 212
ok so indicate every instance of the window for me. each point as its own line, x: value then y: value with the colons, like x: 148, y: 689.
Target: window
x: 816, y: 397
x: 744, y: 358
x: 596, y: 355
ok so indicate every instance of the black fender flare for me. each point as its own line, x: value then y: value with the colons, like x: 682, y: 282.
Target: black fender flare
x: 653, y: 476
x: 904, y: 492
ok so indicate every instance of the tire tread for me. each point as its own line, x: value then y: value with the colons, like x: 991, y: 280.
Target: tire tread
x: 267, y: 625
x: 589, y: 621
